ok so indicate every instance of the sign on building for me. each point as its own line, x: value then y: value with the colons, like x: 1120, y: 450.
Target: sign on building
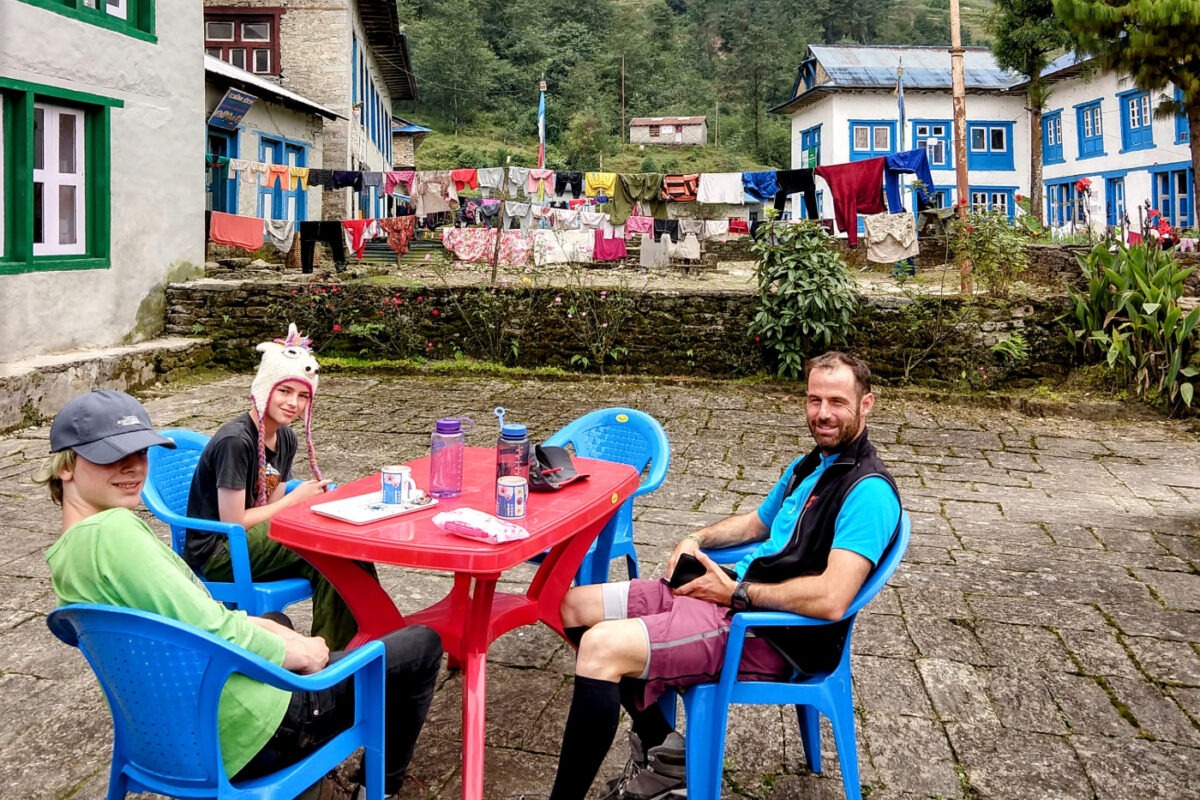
x: 233, y: 107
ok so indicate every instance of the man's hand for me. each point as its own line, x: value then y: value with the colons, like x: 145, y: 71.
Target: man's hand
x: 688, y: 544
x: 714, y: 585
x: 305, y: 654
x: 308, y: 489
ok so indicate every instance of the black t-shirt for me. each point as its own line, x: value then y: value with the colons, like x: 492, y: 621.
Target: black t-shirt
x: 230, y: 461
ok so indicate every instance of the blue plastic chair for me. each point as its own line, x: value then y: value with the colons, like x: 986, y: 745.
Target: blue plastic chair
x: 166, y: 495
x: 627, y: 436
x: 163, y: 682
x: 831, y: 694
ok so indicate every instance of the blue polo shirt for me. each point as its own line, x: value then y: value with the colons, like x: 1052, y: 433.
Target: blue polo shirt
x: 864, y: 525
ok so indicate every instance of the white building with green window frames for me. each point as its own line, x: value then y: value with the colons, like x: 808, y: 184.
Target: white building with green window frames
x: 102, y: 197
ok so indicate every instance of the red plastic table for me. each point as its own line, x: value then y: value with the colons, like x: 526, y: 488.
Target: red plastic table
x: 473, y: 614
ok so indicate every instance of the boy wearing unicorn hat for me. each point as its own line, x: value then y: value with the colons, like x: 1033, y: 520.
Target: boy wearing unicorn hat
x: 241, y: 479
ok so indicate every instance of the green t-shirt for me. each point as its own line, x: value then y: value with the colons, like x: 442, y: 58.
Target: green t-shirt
x: 115, y: 559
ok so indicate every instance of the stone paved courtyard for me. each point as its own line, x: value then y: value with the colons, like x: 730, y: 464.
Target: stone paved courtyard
x: 1040, y: 640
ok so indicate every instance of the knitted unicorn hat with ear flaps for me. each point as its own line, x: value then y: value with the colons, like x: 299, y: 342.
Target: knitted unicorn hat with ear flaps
x: 289, y: 359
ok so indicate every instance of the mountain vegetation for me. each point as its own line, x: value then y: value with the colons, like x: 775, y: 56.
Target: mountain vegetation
x: 478, y: 63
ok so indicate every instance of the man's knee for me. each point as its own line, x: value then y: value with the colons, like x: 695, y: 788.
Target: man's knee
x: 417, y: 649
x: 611, y: 650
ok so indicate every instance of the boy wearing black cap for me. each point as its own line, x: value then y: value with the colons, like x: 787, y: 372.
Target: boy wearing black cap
x: 108, y: 555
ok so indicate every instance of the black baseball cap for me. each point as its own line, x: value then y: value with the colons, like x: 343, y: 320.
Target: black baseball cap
x: 104, y: 426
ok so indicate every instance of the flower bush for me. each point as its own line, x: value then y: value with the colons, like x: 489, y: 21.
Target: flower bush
x: 996, y: 250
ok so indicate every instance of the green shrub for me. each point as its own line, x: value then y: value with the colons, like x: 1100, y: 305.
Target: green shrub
x: 1128, y: 314
x: 995, y: 249
x: 806, y: 295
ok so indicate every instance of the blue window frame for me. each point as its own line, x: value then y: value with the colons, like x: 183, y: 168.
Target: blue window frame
x: 353, y: 69
x: 1173, y: 195
x: 993, y: 198
x: 934, y: 136
x: 1090, y: 124
x: 1061, y: 204
x: 1114, y: 200
x: 1052, y: 143
x: 989, y: 145
x: 1182, y: 127
x: 871, y: 138
x: 221, y: 184
x: 810, y: 147
x: 1137, y: 121
x: 277, y: 201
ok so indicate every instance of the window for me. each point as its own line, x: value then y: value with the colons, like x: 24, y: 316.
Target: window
x: 871, y: 139
x: 992, y: 199
x: 220, y: 182
x: 655, y: 130
x: 279, y: 200
x: 244, y: 38
x: 1091, y: 129
x: 989, y: 145
x: 1173, y: 196
x: 1061, y: 206
x: 1114, y: 195
x: 54, y: 196
x: 1182, y: 126
x: 934, y: 136
x: 132, y: 17
x: 1137, y: 121
x: 1052, y: 143
x: 810, y: 147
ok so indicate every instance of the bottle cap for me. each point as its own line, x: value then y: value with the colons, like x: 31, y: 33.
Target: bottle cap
x: 512, y: 430
x: 449, y: 425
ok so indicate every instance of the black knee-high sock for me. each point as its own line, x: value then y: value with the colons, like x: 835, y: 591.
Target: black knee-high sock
x: 575, y: 634
x: 649, y: 724
x: 591, y: 727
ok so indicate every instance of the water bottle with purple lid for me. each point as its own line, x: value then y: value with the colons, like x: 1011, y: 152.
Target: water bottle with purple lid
x: 446, y: 456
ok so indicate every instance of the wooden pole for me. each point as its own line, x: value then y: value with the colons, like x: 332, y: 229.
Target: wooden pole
x: 959, y: 93
x: 500, y: 220
x: 623, y: 130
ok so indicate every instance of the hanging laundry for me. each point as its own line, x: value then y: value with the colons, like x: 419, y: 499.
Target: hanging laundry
x: 857, y: 189
x: 568, y: 181
x: 797, y: 181
x: 399, y: 232
x: 543, y: 215
x: 394, y: 178
x: 489, y: 179
x: 564, y: 218
x: 320, y: 177
x: 644, y: 188
x: 688, y: 249
x: 241, y: 167
x: 489, y: 214
x: 465, y: 179
x: 255, y: 173
x: 720, y: 187
x: 343, y: 179
x: 279, y: 174
x: 890, y: 237
x: 653, y: 254
x: 638, y: 224
x: 518, y: 179
x: 211, y: 160
x: 693, y: 226
x: 330, y: 233
x: 717, y: 229
x: 540, y: 183
x: 581, y: 202
x: 681, y: 188
x: 358, y: 232
x: 593, y: 219
x: 521, y: 212
x: 281, y: 233
x: 612, y: 231
x: 1133, y: 239
x: 562, y: 247
x: 740, y: 227
x: 299, y: 176
x: 599, y: 183
x: 235, y: 231
x: 915, y: 162
x: 669, y: 227
x: 607, y: 249
x: 372, y: 179
x: 433, y: 192
x: 759, y: 187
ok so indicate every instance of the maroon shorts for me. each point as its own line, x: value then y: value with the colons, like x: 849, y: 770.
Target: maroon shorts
x: 687, y: 638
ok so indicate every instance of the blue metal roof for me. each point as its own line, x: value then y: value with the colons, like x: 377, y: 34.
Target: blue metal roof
x: 874, y: 67
x: 404, y: 126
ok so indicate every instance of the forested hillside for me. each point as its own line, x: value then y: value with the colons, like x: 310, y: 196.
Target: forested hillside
x: 478, y: 63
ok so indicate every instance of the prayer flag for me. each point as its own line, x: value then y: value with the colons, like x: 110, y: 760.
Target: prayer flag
x: 542, y: 127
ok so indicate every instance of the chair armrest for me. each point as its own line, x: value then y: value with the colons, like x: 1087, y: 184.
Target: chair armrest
x: 743, y: 622
x: 260, y: 669
x: 657, y: 474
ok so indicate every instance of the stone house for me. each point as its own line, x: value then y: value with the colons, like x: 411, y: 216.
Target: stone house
x: 349, y: 56
x: 279, y: 127
x: 406, y: 138
x: 101, y: 202
x: 668, y: 130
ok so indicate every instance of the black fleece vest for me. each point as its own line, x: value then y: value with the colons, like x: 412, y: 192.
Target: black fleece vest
x: 817, y: 649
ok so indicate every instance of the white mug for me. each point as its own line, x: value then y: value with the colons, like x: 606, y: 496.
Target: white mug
x: 397, y: 485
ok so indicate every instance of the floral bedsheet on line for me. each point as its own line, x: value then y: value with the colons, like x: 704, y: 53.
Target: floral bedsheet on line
x: 478, y: 244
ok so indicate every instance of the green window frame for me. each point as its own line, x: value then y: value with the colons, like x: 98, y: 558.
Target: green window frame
x: 17, y: 102
x: 131, y: 17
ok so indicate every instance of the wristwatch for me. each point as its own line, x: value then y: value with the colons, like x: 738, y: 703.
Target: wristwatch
x: 741, y: 597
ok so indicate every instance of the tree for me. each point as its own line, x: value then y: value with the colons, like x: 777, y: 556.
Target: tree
x: 1156, y: 42
x: 1026, y: 36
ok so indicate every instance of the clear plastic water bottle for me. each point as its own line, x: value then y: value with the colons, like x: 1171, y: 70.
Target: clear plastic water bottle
x: 512, y: 449
x: 446, y: 456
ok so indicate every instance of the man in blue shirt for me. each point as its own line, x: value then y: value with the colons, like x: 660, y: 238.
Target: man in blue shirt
x: 822, y: 530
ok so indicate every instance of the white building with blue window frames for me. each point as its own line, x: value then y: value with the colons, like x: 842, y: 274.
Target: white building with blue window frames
x: 844, y: 107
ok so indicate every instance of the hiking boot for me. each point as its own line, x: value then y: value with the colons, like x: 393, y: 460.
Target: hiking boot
x: 614, y: 789
x: 665, y: 771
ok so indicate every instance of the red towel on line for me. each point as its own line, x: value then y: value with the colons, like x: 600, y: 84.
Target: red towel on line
x: 857, y: 188
x: 235, y: 231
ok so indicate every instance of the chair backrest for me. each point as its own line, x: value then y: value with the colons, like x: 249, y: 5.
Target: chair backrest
x: 623, y: 435
x: 170, y: 478
x: 163, y: 681
x: 883, y: 571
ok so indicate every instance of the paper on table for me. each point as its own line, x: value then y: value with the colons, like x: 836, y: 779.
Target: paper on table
x: 475, y: 524
x: 364, y: 508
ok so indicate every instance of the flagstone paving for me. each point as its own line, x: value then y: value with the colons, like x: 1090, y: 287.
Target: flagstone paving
x: 1040, y: 640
